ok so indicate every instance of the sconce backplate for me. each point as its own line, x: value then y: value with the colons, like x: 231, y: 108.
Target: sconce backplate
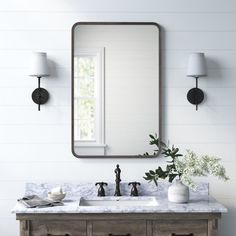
x: 40, y: 96
x: 195, y: 96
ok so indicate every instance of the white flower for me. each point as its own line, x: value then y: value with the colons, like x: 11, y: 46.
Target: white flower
x: 192, y: 165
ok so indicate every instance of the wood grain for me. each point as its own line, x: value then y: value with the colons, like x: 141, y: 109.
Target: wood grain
x: 118, y: 224
x: 58, y: 228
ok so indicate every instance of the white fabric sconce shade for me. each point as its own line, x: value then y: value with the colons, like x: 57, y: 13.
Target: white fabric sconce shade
x: 39, y: 65
x: 39, y: 68
x: 197, y: 65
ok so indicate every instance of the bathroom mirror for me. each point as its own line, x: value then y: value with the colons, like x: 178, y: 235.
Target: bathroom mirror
x: 115, y: 88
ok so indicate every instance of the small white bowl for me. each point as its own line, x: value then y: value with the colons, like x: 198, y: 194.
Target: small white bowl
x: 56, y: 197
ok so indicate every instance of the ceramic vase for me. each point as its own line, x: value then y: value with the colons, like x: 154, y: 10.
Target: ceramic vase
x: 178, y: 192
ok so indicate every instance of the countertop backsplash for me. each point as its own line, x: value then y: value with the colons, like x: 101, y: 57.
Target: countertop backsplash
x: 74, y: 190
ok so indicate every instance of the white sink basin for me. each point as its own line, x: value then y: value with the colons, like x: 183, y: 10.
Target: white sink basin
x: 119, y: 201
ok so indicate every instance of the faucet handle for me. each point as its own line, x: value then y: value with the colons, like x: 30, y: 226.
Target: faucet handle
x: 134, y: 183
x: 101, y: 190
x: 101, y: 183
x: 134, y: 190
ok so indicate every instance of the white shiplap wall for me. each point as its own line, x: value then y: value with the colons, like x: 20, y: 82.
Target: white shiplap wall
x: 35, y: 146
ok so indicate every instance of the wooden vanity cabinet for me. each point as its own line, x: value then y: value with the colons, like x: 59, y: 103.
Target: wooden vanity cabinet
x: 160, y: 224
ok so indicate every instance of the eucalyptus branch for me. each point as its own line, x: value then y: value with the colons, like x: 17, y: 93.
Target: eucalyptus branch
x: 170, y: 172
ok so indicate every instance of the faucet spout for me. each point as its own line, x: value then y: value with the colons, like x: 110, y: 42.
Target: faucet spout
x: 118, y: 180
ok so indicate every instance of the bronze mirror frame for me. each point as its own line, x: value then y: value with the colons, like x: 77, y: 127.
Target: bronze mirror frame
x: 72, y: 88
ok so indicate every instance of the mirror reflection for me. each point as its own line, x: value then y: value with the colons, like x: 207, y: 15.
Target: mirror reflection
x: 115, y: 88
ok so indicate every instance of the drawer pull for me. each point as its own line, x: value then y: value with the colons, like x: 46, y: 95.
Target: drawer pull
x: 119, y: 234
x: 182, y: 234
x: 58, y: 235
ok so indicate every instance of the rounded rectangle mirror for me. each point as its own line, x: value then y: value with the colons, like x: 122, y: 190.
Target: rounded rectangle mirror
x: 115, y: 88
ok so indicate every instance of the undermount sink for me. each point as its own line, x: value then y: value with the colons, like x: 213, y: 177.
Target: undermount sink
x: 119, y: 201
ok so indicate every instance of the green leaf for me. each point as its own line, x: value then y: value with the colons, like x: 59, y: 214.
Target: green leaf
x: 178, y: 155
x: 147, y: 174
x: 151, y: 136
x: 151, y: 172
x: 172, y: 177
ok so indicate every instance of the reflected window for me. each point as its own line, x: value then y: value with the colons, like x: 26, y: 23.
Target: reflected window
x: 89, y: 97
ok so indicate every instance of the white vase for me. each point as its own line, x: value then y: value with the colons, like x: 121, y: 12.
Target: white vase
x: 178, y: 192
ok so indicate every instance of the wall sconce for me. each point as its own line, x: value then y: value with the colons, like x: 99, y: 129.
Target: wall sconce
x: 39, y: 68
x: 196, y: 69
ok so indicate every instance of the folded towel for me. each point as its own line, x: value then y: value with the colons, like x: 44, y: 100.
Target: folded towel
x: 35, y: 201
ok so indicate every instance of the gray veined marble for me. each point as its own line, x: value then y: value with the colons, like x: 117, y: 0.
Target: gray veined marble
x: 74, y: 190
x: 200, y: 201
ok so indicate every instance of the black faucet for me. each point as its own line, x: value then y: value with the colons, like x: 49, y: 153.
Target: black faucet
x: 118, y: 180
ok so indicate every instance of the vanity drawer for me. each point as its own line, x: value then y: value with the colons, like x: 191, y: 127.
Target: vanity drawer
x: 119, y: 228
x: 180, y: 228
x: 58, y: 228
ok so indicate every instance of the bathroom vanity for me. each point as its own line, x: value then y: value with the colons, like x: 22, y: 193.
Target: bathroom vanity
x: 85, y: 214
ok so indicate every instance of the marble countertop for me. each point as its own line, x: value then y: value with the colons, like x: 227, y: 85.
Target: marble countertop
x: 200, y: 201
x: 201, y: 204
